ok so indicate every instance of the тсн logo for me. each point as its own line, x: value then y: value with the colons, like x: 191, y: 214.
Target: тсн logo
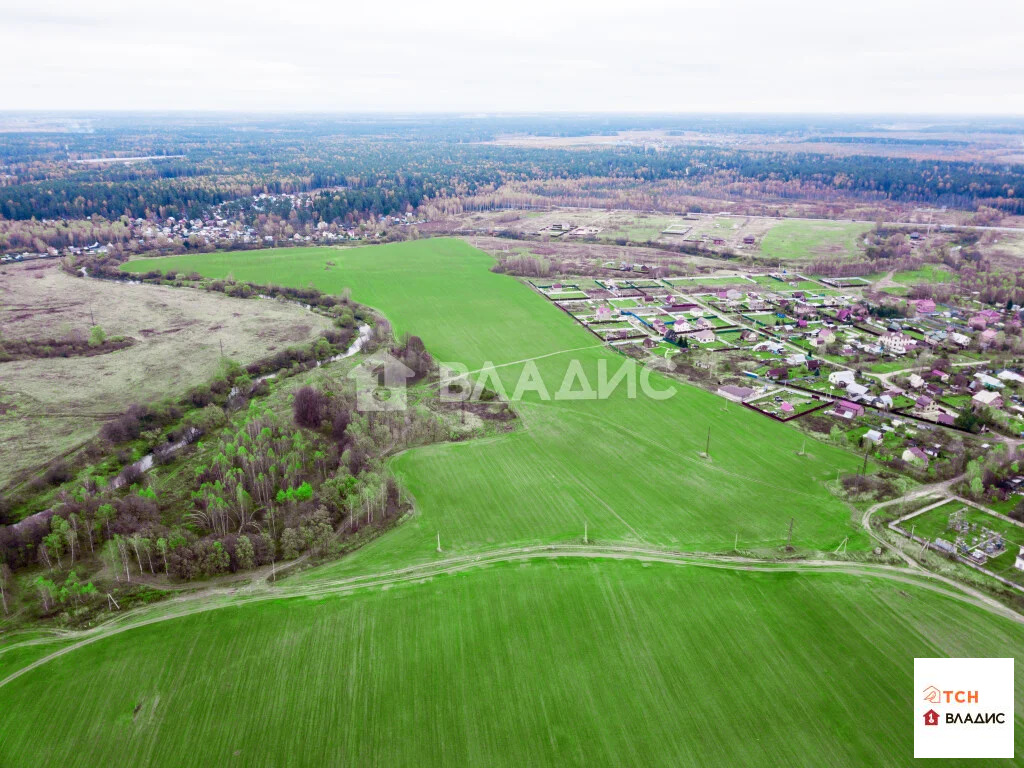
x: 935, y: 696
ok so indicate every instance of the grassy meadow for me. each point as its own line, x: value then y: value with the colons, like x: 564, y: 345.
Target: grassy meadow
x: 798, y: 239
x: 629, y: 467
x: 561, y: 662
x: 52, y: 405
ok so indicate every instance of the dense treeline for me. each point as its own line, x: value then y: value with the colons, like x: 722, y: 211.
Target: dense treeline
x: 372, y: 175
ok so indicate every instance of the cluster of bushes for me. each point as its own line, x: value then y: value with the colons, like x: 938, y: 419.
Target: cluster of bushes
x: 71, y: 346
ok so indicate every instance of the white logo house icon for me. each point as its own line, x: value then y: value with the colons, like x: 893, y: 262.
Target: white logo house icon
x: 381, y: 381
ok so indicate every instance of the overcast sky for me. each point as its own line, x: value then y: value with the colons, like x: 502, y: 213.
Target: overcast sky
x: 474, y: 55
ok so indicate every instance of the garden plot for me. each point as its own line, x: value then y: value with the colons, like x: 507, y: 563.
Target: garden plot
x: 784, y: 405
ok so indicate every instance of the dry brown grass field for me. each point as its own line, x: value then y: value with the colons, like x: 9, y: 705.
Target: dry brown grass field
x: 49, y: 406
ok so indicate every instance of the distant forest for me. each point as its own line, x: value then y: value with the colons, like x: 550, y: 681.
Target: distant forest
x: 374, y: 166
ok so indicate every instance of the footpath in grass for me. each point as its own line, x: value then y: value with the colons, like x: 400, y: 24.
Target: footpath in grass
x: 545, y: 663
x: 627, y: 466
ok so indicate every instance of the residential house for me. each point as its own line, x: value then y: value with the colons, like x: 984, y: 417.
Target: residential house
x: 959, y: 339
x: 916, y: 382
x: 990, y: 382
x: 894, y: 343
x: 915, y: 455
x: 856, y: 391
x: 825, y: 336
x: 924, y: 306
x: 847, y: 410
x: 704, y: 337
x: 987, y: 399
x: 883, y: 401
x: 778, y: 373
x: 873, y: 436
x: 978, y: 322
x: 735, y: 393
x: 842, y: 378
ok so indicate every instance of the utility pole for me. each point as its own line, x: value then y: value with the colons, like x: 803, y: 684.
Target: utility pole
x: 111, y: 600
x: 736, y: 543
x: 789, y: 537
x: 864, y: 469
x: 438, y: 541
x: 221, y: 347
x: 707, y: 448
x: 586, y: 540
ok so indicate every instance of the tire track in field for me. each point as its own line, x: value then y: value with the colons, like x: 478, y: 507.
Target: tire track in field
x: 194, y: 606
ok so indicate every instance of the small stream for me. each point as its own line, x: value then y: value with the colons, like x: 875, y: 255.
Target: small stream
x: 354, y: 348
x: 146, y: 462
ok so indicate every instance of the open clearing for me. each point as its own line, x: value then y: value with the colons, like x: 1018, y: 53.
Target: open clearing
x: 540, y: 663
x: 630, y: 467
x: 813, y: 239
x: 53, y: 405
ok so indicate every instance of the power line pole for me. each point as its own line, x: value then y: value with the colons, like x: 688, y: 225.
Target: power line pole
x: 789, y: 537
x: 586, y: 540
x: 438, y: 541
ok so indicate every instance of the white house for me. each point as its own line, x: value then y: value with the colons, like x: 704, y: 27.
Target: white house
x: 959, y: 338
x: 1011, y: 376
x: 1019, y: 562
x: 856, y: 390
x: 894, y: 343
x: 873, y: 436
x: 842, y: 378
x: 916, y: 381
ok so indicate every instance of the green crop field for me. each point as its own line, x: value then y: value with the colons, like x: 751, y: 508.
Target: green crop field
x: 813, y: 239
x: 629, y: 467
x: 538, y: 663
x: 543, y: 659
